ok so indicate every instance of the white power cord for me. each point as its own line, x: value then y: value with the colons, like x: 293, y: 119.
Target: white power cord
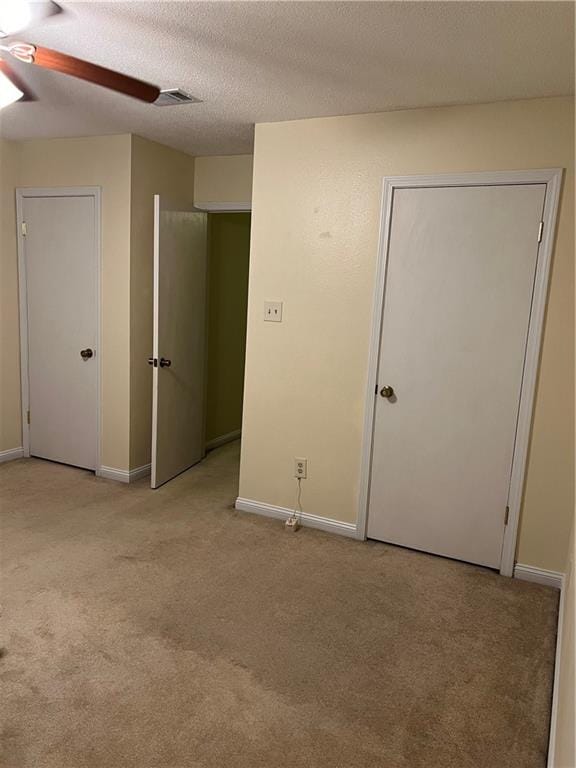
x: 293, y: 522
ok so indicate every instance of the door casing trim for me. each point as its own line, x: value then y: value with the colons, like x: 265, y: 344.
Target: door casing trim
x: 224, y: 207
x: 29, y: 192
x: 552, y: 178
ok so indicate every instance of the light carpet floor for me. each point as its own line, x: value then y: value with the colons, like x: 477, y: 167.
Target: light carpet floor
x: 163, y: 629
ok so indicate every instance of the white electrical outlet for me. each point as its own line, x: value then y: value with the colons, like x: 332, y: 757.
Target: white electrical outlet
x: 273, y: 311
x: 301, y: 468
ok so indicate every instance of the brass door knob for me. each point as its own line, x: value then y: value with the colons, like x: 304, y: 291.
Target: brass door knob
x: 387, y: 391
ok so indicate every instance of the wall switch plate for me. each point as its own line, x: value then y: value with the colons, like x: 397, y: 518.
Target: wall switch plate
x: 273, y: 311
x: 301, y: 468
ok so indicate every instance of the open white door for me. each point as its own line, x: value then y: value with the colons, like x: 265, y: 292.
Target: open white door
x: 178, y: 400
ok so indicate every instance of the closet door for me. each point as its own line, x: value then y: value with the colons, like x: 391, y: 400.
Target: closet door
x: 460, y: 276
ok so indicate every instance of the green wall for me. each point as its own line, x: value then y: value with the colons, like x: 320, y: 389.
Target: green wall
x: 229, y: 252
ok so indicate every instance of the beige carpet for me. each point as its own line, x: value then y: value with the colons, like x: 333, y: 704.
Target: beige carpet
x: 165, y: 630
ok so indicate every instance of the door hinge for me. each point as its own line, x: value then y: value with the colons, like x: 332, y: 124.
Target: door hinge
x: 506, y: 515
x: 24, y: 229
x: 28, y: 416
x: 376, y: 390
x: 540, y: 230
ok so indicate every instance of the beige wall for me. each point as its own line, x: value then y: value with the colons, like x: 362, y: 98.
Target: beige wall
x: 102, y: 161
x: 316, y: 206
x: 156, y: 169
x: 10, y: 414
x: 223, y: 179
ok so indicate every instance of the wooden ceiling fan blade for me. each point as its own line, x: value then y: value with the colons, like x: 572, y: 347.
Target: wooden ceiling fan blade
x: 84, y: 70
x: 7, y: 70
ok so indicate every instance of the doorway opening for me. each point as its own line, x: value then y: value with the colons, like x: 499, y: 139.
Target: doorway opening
x: 228, y: 264
x: 201, y: 262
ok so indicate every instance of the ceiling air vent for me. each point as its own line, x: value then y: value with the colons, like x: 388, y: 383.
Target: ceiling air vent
x: 173, y: 96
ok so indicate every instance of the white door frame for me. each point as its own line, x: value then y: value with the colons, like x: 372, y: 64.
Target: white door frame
x: 224, y: 207
x: 552, y: 177
x: 21, y: 194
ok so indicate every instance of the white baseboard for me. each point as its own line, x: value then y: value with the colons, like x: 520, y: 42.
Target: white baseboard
x: 282, y: 513
x: 11, y: 454
x: 124, y: 475
x: 223, y: 439
x: 140, y: 472
x: 538, y: 575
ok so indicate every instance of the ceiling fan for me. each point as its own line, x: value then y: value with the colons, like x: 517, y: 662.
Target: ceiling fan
x: 16, y: 15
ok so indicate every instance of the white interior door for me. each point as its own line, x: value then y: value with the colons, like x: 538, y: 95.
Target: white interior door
x: 460, y: 275
x: 178, y: 403
x: 61, y: 278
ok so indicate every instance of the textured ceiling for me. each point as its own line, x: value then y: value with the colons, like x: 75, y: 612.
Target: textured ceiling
x: 267, y: 61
